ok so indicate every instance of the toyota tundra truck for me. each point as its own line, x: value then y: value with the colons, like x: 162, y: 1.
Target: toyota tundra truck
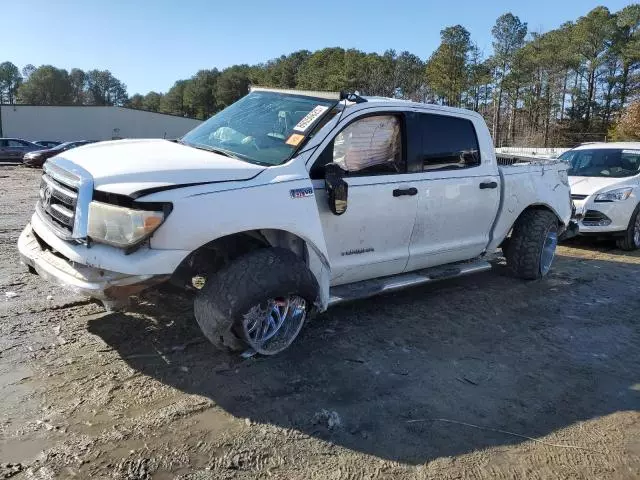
x: 288, y: 202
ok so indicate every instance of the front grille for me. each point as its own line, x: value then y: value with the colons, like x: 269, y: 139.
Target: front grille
x: 58, y: 201
x: 594, y: 218
x: 575, y: 196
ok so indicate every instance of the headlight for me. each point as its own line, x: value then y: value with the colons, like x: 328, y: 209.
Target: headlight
x: 120, y: 226
x: 616, y: 195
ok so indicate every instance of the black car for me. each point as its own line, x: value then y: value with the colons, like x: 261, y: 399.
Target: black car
x: 37, y: 158
x: 47, y: 143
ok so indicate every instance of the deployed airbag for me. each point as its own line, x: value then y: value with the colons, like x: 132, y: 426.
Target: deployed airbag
x: 367, y: 142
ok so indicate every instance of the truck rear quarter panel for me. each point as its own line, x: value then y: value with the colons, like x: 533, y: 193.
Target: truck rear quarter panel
x: 524, y: 186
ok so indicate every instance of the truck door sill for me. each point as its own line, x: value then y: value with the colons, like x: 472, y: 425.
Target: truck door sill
x: 369, y: 288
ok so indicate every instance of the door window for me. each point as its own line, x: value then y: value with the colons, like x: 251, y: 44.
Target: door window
x: 368, y: 146
x: 448, y: 143
x: 16, y: 143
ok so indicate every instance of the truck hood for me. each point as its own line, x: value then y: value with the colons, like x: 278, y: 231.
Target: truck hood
x: 591, y: 185
x: 128, y: 166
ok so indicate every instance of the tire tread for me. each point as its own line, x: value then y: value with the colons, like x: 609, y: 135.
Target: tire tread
x: 230, y: 292
x: 526, y: 242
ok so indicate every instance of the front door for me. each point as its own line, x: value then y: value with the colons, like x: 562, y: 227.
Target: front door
x: 371, y: 239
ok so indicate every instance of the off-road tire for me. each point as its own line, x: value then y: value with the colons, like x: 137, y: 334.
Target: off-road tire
x: 627, y: 242
x: 524, y: 248
x: 247, y: 281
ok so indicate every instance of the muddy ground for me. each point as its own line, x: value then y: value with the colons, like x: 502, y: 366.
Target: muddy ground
x: 444, y: 381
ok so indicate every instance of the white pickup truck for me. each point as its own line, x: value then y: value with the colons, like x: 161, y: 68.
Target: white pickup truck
x: 288, y: 202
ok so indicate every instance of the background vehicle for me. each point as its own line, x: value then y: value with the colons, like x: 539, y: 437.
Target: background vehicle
x: 288, y: 202
x: 47, y: 143
x: 13, y: 149
x: 38, y: 157
x: 605, y: 188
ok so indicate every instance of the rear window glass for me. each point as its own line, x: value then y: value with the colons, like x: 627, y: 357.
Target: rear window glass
x: 448, y: 143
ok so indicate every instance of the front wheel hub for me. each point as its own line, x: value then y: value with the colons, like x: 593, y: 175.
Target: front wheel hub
x: 271, y: 327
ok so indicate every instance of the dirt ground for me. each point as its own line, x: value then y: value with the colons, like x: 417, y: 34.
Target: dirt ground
x: 480, y: 377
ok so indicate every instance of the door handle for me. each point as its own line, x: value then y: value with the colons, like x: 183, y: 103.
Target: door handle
x: 398, y: 192
x: 484, y: 185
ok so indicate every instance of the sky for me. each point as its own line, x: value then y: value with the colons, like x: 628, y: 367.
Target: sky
x: 150, y: 44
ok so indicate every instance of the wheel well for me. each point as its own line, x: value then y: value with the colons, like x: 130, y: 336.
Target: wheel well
x: 538, y: 207
x: 217, y: 253
x: 542, y: 208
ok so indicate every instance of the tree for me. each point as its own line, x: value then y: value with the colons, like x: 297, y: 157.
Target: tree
x: 447, y: 72
x: 10, y: 80
x: 47, y: 85
x: 479, y: 79
x: 232, y: 84
x: 508, y: 37
x: 282, y: 72
x: 104, y: 89
x: 173, y: 101
x: 136, y: 101
x: 409, y: 75
x: 199, y: 94
x: 324, y: 70
x: 152, y: 101
x: 593, y: 37
x: 627, y: 46
x: 628, y: 127
x: 78, y: 81
x: 27, y: 70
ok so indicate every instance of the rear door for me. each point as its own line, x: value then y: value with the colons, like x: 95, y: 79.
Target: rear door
x: 458, y: 195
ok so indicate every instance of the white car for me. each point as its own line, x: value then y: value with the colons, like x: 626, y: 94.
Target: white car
x: 605, y: 188
x: 288, y: 202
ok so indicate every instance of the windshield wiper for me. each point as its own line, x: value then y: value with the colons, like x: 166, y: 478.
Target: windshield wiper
x: 226, y: 153
x: 208, y: 148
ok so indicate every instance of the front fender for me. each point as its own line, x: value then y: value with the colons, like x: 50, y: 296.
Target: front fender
x: 283, y: 201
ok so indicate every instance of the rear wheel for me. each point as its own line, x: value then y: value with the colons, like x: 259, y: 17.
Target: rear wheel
x: 631, y: 239
x: 532, y: 246
x: 260, y: 301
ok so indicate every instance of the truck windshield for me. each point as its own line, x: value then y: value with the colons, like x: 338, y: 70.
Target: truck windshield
x: 262, y: 127
x: 603, y: 162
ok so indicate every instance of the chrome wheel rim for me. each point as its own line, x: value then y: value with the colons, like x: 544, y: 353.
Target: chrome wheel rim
x: 636, y: 232
x: 548, y: 251
x: 271, y: 327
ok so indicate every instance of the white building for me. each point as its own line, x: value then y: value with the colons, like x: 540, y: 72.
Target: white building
x: 35, y: 122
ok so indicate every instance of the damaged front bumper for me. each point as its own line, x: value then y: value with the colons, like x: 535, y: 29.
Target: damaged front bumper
x: 93, y: 282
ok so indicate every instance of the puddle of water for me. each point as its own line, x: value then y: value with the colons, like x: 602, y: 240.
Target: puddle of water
x: 23, y: 449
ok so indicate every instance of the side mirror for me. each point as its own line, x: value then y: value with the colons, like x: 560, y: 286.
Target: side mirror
x: 337, y: 188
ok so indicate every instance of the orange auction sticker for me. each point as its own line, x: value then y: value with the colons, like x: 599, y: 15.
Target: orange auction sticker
x: 294, y: 139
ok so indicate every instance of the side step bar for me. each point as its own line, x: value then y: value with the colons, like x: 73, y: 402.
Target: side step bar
x: 370, y: 288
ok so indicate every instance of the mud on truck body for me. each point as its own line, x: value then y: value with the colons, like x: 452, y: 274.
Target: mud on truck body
x: 288, y: 202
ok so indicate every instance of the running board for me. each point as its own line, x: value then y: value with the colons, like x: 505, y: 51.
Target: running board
x: 370, y: 288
